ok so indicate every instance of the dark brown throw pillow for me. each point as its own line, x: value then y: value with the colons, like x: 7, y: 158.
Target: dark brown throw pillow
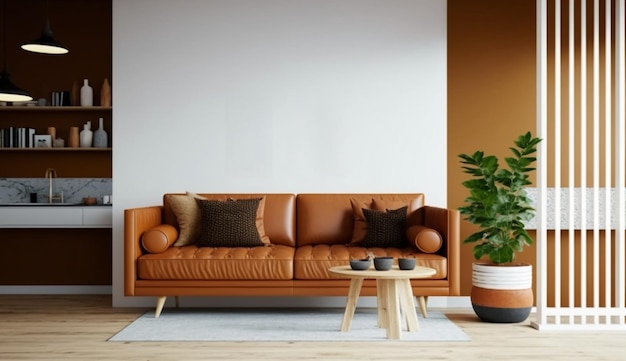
x: 385, y: 228
x: 230, y: 223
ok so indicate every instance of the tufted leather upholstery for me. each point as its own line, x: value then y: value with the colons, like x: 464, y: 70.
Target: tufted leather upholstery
x: 219, y: 263
x: 313, y: 261
x: 308, y: 232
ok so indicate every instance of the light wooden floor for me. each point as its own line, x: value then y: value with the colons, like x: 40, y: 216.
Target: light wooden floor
x: 77, y: 327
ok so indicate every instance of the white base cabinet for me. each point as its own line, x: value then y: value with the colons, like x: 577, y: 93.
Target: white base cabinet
x: 56, y: 217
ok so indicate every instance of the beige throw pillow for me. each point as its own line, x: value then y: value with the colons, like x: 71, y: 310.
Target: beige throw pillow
x: 187, y: 214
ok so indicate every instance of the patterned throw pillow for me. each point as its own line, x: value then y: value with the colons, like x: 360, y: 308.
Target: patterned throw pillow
x: 230, y: 223
x: 385, y: 228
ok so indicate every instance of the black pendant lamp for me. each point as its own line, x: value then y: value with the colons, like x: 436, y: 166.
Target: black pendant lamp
x: 11, y: 93
x: 8, y: 91
x: 45, y: 44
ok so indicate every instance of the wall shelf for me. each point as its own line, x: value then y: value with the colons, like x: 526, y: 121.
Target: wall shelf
x: 64, y: 149
x: 23, y: 108
x: 71, y: 162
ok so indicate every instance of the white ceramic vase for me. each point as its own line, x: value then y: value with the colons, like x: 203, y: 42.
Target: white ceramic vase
x: 86, y: 94
x: 100, y: 136
x: 86, y: 136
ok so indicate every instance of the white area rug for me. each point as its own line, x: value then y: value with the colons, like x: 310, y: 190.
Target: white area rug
x: 199, y: 324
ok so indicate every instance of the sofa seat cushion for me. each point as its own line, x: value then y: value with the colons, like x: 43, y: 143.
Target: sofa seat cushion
x: 218, y: 263
x: 313, y: 261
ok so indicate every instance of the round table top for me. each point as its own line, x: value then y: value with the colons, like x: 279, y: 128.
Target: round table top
x: 393, y: 273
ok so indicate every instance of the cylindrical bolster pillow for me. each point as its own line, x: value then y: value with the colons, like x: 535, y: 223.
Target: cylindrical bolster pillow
x: 159, y: 238
x: 425, y: 239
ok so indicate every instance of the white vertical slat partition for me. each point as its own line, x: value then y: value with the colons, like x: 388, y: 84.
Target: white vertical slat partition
x: 620, y: 157
x: 582, y: 290
x: 557, y: 145
x: 585, y: 267
x: 542, y: 124
x: 572, y: 146
x: 608, y: 126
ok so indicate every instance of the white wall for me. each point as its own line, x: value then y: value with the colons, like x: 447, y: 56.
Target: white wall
x: 276, y: 96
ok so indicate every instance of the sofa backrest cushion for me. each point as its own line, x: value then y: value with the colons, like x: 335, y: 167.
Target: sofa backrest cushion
x: 278, y: 219
x: 328, y: 218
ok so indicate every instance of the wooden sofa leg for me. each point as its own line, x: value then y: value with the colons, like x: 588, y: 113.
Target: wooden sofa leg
x: 177, y: 301
x: 422, y: 301
x: 159, y: 306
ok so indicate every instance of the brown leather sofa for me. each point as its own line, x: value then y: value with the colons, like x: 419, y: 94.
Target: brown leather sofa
x: 309, y: 233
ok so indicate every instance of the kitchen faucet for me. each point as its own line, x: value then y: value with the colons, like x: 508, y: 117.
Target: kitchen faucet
x: 51, y: 173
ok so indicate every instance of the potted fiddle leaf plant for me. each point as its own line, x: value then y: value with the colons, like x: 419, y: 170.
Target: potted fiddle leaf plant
x: 498, y: 205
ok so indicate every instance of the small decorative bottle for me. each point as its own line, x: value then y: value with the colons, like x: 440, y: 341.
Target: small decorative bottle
x: 75, y: 94
x: 86, y: 136
x: 105, y: 93
x: 86, y: 94
x: 73, y: 139
x: 100, y: 137
x: 52, y: 131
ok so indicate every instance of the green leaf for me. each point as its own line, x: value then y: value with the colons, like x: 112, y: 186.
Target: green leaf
x: 516, y: 152
x: 474, y: 237
x: 489, y: 164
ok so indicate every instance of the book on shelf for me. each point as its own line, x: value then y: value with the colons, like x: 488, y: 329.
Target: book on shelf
x: 17, y: 137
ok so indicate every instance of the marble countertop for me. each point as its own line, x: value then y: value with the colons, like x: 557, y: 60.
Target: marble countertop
x: 19, y: 190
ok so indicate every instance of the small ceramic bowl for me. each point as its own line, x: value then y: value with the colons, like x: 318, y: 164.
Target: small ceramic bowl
x: 383, y: 263
x: 360, y: 264
x: 406, y: 264
x: 90, y: 201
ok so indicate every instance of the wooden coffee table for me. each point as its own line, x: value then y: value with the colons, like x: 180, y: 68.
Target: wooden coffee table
x: 394, y: 296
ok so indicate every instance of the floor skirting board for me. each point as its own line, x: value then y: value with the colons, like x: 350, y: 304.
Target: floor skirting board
x: 55, y: 290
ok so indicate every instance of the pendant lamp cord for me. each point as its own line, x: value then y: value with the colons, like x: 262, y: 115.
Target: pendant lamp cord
x: 4, y: 37
x: 47, y: 24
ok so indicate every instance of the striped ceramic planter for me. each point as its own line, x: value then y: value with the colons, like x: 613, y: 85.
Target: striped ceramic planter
x: 502, y: 293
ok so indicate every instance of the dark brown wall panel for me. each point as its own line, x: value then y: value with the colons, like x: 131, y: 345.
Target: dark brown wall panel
x: 85, y: 27
x: 55, y: 256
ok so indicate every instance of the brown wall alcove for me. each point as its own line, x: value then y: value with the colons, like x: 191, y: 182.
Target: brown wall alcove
x: 57, y: 256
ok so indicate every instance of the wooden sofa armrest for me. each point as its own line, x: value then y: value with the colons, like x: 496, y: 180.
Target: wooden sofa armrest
x: 136, y: 222
x: 448, y: 223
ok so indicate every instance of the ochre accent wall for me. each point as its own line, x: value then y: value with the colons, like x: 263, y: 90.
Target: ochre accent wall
x: 491, y: 91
